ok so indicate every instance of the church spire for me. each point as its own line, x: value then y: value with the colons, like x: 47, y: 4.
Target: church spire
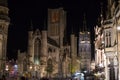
x: 101, y: 15
x: 100, y: 18
x: 45, y: 25
x: 31, y: 26
x: 72, y: 32
x: 84, y: 23
x: 3, y: 3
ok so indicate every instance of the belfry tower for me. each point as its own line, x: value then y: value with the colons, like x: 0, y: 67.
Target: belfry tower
x: 56, y: 24
x: 4, y: 23
x: 84, y: 48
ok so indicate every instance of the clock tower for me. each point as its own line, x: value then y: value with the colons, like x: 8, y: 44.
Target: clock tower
x: 56, y: 24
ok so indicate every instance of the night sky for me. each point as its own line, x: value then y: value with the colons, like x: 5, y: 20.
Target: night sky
x: 22, y: 12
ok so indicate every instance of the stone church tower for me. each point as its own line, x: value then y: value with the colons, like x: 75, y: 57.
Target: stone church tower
x: 4, y: 23
x: 84, y: 48
x: 56, y: 25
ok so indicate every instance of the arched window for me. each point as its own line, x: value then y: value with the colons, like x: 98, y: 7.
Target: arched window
x: 37, y: 48
x: 49, y: 61
x: 24, y: 65
x: 49, y: 67
x: 109, y: 39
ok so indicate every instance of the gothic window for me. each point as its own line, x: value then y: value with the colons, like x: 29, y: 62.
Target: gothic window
x: 24, y: 65
x: 86, y: 37
x: 49, y: 61
x: 0, y: 27
x: 82, y: 49
x: 109, y: 38
x: 54, y: 50
x: 82, y: 38
x: 49, y: 50
x: 85, y: 48
x: 37, y: 48
x: 1, y: 44
x: 49, y: 67
x: 64, y: 50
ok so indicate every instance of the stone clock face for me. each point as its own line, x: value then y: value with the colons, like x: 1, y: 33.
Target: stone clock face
x: 55, y: 16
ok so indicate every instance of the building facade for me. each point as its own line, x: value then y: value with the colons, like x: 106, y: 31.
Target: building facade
x: 109, y: 41
x: 84, y: 48
x: 85, y: 51
x: 100, y: 57
x: 47, y: 55
x: 4, y: 24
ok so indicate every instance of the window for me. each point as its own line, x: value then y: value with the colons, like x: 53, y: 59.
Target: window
x: 109, y: 39
x: 55, y: 16
x: 37, y: 48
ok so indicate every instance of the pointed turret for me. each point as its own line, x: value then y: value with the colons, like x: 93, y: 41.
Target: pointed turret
x: 84, y: 23
x: 31, y: 26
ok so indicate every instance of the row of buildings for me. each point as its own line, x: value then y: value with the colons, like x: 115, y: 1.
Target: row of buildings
x: 48, y: 52
x: 107, y: 45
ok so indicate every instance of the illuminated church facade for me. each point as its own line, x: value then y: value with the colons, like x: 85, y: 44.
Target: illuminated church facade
x: 47, y: 54
x: 84, y: 48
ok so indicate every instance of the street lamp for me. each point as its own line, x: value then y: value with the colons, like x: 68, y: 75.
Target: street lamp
x: 30, y: 67
x: 118, y: 28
